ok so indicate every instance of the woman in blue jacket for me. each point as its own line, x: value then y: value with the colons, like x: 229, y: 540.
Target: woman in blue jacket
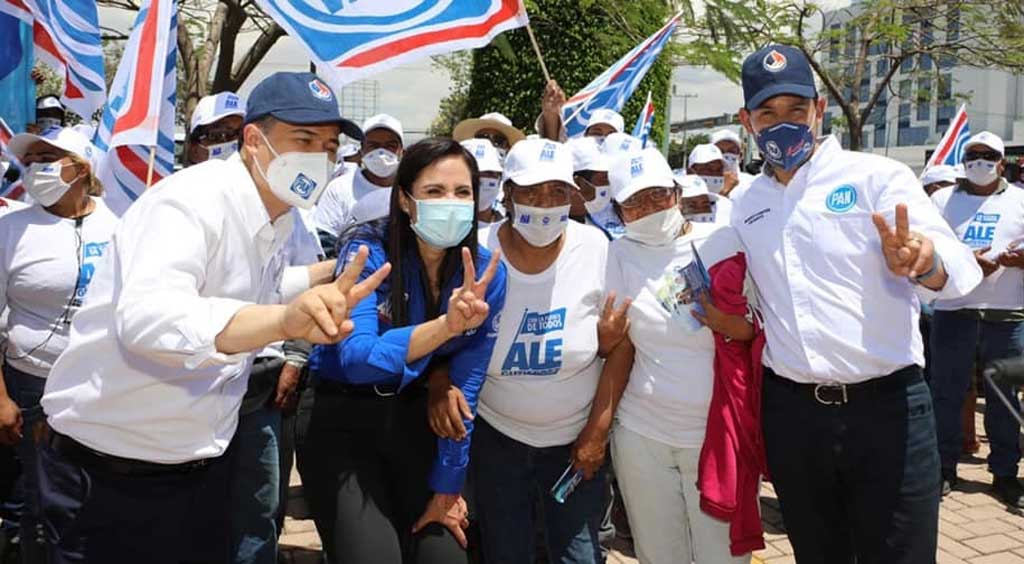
x: 381, y: 486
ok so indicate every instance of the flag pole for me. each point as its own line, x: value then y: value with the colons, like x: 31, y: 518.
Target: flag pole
x: 536, y: 49
x: 149, y: 171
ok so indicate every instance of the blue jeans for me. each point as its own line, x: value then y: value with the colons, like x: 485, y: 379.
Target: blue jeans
x: 26, y: 391
x: 957, y: 337
x: 508, y: 476
x: 255, y: 486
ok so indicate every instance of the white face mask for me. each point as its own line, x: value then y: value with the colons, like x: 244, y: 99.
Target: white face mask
x: 44, y: 183
x: 981, y: 172
x: 715, y: 183
x: 47, y: 123
x: 540, y: 226
x: 489, y: 189
x: 602, y: 197
x: 381, y: 162
x: 657, y: 229
x: 295, y: 178
x: 732, y: 161
x: 221, y: 151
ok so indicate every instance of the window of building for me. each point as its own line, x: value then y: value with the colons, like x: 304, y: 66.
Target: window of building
x: 924, y: 62
x: 881, y: 67
x: 880, y: 140
x: 833, y: 44
x: 826, y: 123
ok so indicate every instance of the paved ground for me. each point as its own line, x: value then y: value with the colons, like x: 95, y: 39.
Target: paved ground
x: 974, y: 527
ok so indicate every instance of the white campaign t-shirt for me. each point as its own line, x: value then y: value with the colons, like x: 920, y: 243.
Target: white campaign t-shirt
x: 544, y: 369
x: 721, y: 211
x: 334, y: 209
x: 39, y: 271
x: 986, y: 221
x: 669, y: 388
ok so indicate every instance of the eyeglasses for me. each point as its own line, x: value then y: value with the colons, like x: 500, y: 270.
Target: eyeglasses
x: 216, y: 136
x: 496, y: 139
x: 544, y: 196
x: 987, y: 155
x: 653, y: 196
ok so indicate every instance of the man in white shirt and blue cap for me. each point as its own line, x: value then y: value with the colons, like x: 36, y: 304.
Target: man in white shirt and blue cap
x: 142, y: 405
x: 839, y: 244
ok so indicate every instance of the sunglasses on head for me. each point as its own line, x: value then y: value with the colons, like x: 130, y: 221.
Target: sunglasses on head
x: 985, y: 155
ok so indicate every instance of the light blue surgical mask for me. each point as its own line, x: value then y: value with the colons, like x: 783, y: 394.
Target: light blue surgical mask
x: 444, y: 223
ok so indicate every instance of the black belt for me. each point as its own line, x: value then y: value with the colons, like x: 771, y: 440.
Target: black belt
x: 358, y: 390
x: 85, y: 456
x: 840, y: 394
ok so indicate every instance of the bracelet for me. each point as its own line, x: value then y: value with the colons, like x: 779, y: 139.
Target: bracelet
x: 936, y: 263
x: 296, y: 363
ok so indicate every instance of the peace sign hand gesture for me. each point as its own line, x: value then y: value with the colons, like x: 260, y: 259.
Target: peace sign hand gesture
x: 467, y: 308
x: 907, y: 253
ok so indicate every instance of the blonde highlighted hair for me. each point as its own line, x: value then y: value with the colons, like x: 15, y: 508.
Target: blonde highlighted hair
x: 93, y: 186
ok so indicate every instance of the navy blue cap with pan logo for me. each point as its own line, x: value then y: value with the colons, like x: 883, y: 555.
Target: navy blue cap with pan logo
x: 299, y: 98
x: 775, y: 70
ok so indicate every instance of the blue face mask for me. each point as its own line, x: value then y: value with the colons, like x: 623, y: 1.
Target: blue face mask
x: 444, y: 223
x: 786, y: 145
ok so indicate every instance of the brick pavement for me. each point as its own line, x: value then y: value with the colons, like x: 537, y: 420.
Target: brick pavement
x: 974, y: 527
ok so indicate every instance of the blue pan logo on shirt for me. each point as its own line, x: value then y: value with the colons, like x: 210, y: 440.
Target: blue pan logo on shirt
x: 303, y: 186
x: 536, y: 349
x: 841, y: 199
x: 90, y: 253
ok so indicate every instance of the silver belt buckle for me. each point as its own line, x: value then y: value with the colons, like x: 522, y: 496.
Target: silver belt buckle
x: 376, y: 390
x: 824, y: 401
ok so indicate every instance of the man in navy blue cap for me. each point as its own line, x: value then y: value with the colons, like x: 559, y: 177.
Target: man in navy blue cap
x: 144, y: 402
x: 847, y: 418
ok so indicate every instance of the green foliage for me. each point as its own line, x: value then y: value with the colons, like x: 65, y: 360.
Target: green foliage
x: 459, y: 66
x: 579, y: 40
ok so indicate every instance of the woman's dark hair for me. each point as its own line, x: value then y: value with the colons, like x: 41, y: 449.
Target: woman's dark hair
x: 401, y: 237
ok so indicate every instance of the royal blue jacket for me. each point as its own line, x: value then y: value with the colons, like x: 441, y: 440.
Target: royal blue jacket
x: 375, y: 352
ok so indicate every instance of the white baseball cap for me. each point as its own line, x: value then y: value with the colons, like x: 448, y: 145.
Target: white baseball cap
x: 704, y: 153
x: 532, y: 161
x: 988, y: 139
x: 692, y: 185
x: 725, y: 135
x: 486, y: 155
x: 49, y: 102
x: 468, y: 128
x: 63, y: 138
x: 374, y: 205
x: 618, y: 143
x: 606, y: 116
x: 384, y: 121
x: 633, y: 172
x: 216, y: 107
x: 587, y: 155
x: 347, y: 150
x: 939, y: 173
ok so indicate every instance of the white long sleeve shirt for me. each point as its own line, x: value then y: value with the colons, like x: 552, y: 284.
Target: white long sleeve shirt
x: 833, y: 310
x: 141, y: 377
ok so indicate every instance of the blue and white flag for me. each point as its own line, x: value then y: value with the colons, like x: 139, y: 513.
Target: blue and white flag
x: 644, y: 121
x: 350, y: 40
x: 616, y: 84
x: 950, y: 150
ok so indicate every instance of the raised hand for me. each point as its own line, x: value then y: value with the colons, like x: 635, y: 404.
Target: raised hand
x: 613, y: 325
x: 467, y: 308
x: 907, y: 253
x: 320, y: 315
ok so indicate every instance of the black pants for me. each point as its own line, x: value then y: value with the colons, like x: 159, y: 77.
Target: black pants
x: 93, y: 516
x: 857, y: 482
x: 365, y: 463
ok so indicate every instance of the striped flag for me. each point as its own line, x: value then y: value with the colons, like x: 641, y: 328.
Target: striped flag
x: 15, y: 190
x: 5, y: 135
x: 350, y: 40
x: 67, y: 38
x: 140, y: 113
x: 612, y: 88
x: 950, y: 150
x: 642, y: 129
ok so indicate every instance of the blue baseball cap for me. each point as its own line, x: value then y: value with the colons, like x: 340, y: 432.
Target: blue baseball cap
x: 774, y: 70
x: 299, y: 98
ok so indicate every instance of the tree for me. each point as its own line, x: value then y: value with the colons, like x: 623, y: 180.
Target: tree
x: 208, y: 34
x: 913, y: 38
x: 579, y: 40
x: 677, y: 152
x: 452, y: 108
